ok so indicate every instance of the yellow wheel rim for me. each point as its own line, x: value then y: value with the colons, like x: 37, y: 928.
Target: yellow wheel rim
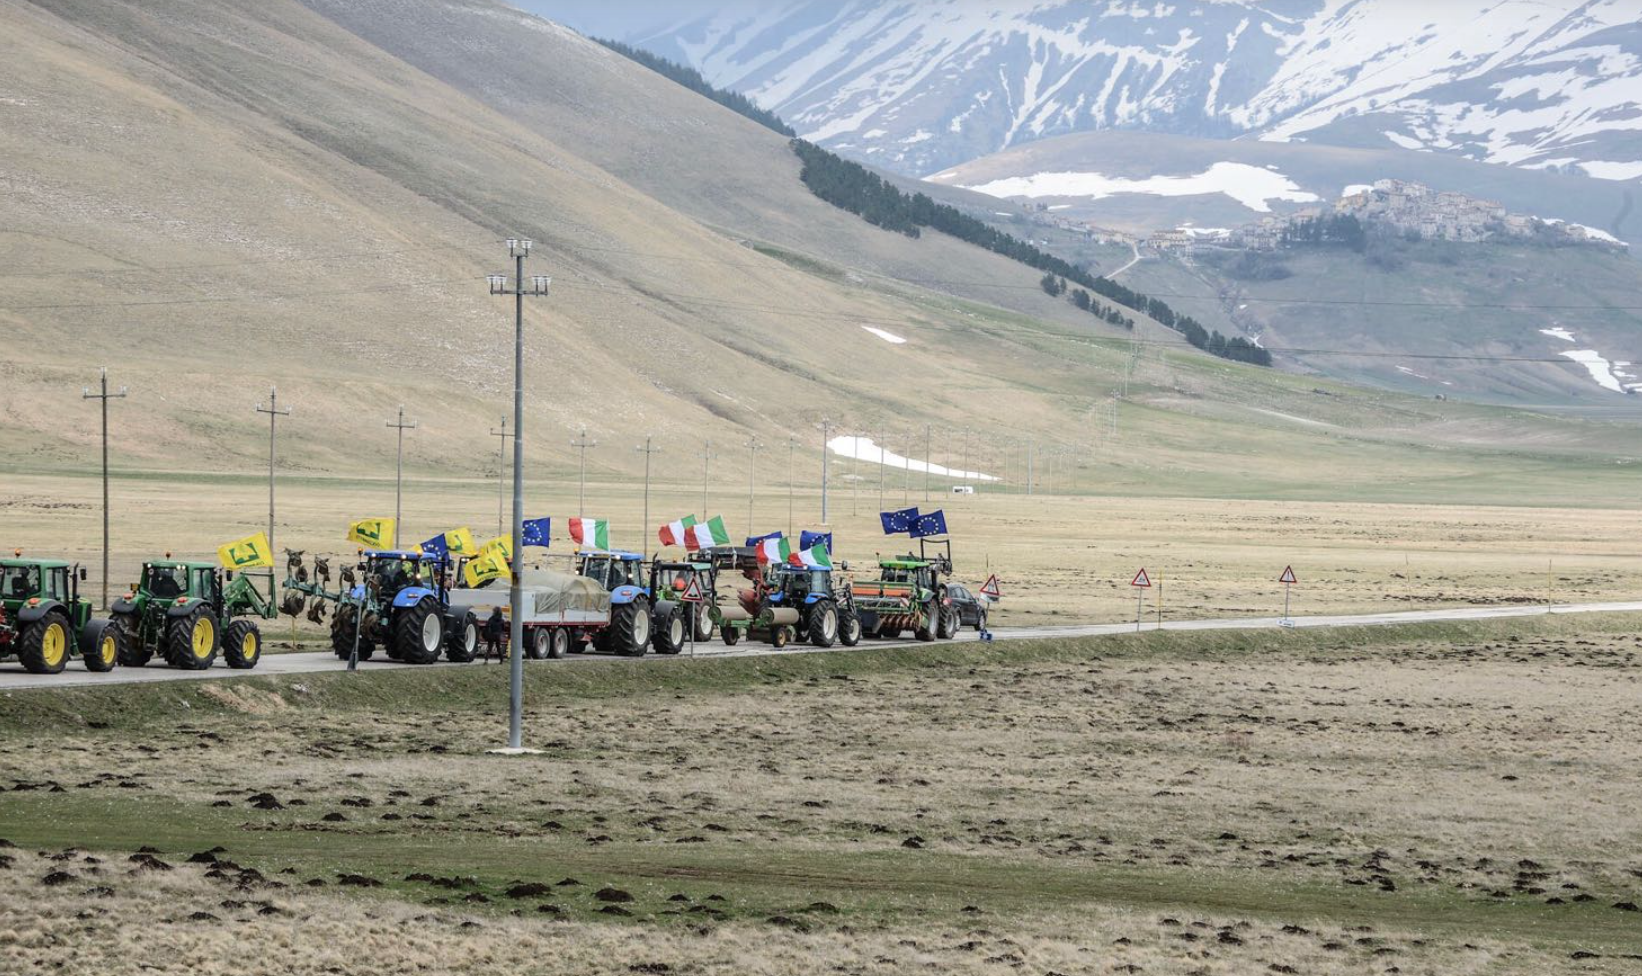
x: 55, y: 645
x: 248, y: 650
x: 108, y: 648
x: 205, y: 637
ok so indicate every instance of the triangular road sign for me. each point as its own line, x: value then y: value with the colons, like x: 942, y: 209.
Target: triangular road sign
x: 991, y: 588
x: 692, y: 591
x: 1288, y: 575
x: 1141, y: 579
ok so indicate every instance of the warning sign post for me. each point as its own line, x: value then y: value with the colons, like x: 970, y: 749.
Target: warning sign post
x: 695, y: 598
x: 990, y: 588
x: 1141, y: 583
x: 1288, y: 579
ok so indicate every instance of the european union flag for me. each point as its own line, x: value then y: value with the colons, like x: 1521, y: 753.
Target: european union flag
x: 754, y: 540
x: 934, y: 523
x: 437, y: 547
x: 898, y: 523
x: 809, y: 540
x: 538, y: 532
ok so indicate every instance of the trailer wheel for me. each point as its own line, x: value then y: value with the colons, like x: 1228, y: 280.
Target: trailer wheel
x: 342, y: 635
x: 242, y: 645
x: 463, y: 644
x: 670, y: 636
x: 629, y: 631
x: 558, y: 642
x: 419, y: 633
x: 779, y: 636
x: 731, y: 636
x: 849, y: 629
x: 192, y: 640
x: 102, y: 644
x: 45, y: 644
x: 824, y: 623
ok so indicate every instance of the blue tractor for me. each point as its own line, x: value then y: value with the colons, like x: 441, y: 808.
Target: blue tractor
x: 622, y: 575
x: 399, y: 600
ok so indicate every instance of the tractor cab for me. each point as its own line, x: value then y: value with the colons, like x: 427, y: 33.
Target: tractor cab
x: 42, y: 617
x: 612, y: 570
x: 396, y: 571
x: 795, y: 586
x: 669, y: 580
x: 179, y: 581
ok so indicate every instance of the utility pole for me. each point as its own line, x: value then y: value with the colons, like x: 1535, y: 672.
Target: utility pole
x: 501, y: 472
x: 646, y: 450
x: 792, y: 448
x: 826, y: 449
x: 581, y: 443
x: 274, y: 413
x: 518, y: 250
x: 105, y: 396
x: 399, y: 469
x: 706, y: 456
x: 855, y: 481
x: 883, y: 466
x: 753, y: 447
x: 967, y: 476
x: 927, y: 456
x: 906, y: 471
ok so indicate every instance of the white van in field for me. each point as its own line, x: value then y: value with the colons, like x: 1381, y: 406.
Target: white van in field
x: 963, y: 489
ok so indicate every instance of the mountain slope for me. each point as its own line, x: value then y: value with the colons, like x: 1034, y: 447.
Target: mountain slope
x: 919, y: 88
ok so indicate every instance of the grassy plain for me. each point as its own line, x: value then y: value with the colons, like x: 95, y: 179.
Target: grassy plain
x: 1426, y: 798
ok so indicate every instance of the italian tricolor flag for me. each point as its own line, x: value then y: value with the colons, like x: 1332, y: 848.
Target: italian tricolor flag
x: 814, y: 557
x: 673, y: 533
x: 776, y: 550
x: 704, y: 535
x: 592, y: 533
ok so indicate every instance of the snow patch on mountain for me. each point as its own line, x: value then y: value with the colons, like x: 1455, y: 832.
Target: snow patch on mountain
x: 1252, y: 186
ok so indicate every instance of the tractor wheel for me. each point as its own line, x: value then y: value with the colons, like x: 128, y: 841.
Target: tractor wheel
x: 927, y: 622
x: 704, y: 623
x: 463, y: 645
x: 101, y: 644
x: 849, y: 629
x: 946, y: 623
x: 419, y: 633
x: 558, y: 643
x: 824, y: 623
x: 133, y: 652
x: 45, y: 644
x: 342, y: 635
x: 672, y: 632
x: 629, y: 631
x: 192, y: 640
x: 731, y: 636
x: 242, y: 645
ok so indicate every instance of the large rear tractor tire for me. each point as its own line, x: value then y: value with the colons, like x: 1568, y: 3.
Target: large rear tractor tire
x: 45, y: 645
x: 849, y: 629
x: 946, y: 622
x: 463, y: 644
x: 102, y: 644
x: 929, y: 620
x: 342, y: 635
x: 242, y: 645
x: 419, y: 633
x: 192, y: 640
x: 823, y: 627
x: 629, y: 631
x: 671, y: 633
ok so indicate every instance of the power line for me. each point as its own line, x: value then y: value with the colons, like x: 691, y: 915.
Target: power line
x: 207, y: 266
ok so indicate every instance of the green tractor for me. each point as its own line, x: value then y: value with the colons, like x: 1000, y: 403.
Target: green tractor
x: 909, y: 595
x: 188, y: 612
x: 43, y: 618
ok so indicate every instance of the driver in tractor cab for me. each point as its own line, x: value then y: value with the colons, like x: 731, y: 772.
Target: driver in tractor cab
x: 163, y: 582
x: 25, y: 583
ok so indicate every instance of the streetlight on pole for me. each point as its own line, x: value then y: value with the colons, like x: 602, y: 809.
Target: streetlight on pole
x: 501, y: 472
x: 826, y: 450
x: 274, y: 413
x: 646, y: 450
x: 105, y: 396
x: 399, y: 468
x: 753, y: 447
x: 518, y: 250
x: 581, y: 443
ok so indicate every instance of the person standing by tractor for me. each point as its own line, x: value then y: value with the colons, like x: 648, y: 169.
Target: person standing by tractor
x: 495, y: 633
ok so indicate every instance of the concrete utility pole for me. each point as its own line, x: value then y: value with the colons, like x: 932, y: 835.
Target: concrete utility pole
x: 274, y: 413
x: 706, y: 456
x: 826, y: 450
x: 906, y: 471
x: 399, y: 469
x: 883, y: 466
x: 105, y: 396
x: 581, y: 443
x: 967, y: 475
x: 646, y: 450
x: 792, y: 448
x: 501, y: 473
x: 1029, y: 446
x: 927, y: 456
x: 518, y: 250
x: 753, y: 447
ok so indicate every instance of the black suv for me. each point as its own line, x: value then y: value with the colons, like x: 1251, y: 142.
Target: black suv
x: 971, y: 608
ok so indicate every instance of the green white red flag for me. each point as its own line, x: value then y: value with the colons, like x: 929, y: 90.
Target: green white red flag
x: 590, y: 533
x: 673, y: 533
x: 815, y: 557
x: 705, y: 535
x: 777, y: 550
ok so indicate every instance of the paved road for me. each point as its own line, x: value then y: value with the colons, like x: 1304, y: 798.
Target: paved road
x: 13, y: 677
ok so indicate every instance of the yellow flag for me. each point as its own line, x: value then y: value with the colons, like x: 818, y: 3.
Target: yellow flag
x: 376, y: 533
x: 460, y: 542
x: 247, y: 553
x: 481, y: 569
x: 501, y: 544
